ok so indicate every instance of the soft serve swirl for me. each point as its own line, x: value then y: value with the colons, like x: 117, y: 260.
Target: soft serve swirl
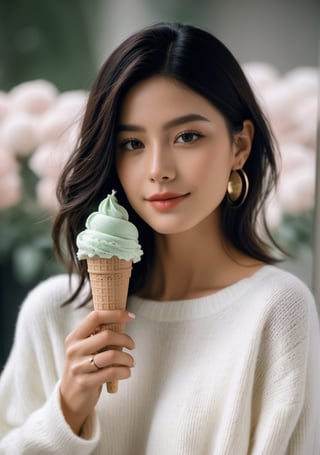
x: 109, y: 233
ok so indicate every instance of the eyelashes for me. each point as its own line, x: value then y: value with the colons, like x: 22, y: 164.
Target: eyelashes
x: 184, y: 137
x: 188, y: 137
x: 130, y: 144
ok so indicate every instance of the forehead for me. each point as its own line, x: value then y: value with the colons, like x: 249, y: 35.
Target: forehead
x: 162, y: 97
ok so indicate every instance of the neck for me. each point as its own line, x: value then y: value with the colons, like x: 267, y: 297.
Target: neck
x: 195, y: 263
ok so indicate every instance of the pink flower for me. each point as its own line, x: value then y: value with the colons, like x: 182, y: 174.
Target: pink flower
x: 290, y: 103
x: 273, y: 213
x: 4, y: 105
x: 10, y: 180
x: 50, y: 157
x: 72, y: 102
x: 10, y: 190
x: 303, y: 81
x: 35, y: 96
x: 296, y: 190
x: 8, y: 163
x: 260, y: 74
x: 261, y: 77
x: 304, y: 117
x: 48, y: 160
x: 278, y: 101
x: 46, y: 194
x: 295, y: 156
x: 65, y: 115
x: 54, y: 125
x: 19, y: 133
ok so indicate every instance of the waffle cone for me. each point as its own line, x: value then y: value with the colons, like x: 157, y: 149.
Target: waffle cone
x: 109, y: 279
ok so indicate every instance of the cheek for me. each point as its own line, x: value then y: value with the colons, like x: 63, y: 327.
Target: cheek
x: 130, y: 180
x: 212, y: 166
x: 125, y: 173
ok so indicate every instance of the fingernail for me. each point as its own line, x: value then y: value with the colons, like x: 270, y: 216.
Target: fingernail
x: 131, y: 315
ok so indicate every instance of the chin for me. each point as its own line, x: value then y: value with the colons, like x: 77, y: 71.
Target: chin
x: 170, y: 229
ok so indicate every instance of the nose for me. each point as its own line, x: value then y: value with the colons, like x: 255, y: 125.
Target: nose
x: 162, y: 167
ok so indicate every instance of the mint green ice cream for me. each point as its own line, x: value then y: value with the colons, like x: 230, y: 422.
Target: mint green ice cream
x: 109, y: 233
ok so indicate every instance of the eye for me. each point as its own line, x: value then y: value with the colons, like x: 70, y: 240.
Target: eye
x: 188, y: 137
x: 130, y: 144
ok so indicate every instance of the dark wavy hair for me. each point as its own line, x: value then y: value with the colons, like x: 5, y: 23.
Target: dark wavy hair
x: 203, y: 63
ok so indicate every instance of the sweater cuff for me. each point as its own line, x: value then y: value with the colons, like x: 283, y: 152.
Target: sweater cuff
x: 62, y: 432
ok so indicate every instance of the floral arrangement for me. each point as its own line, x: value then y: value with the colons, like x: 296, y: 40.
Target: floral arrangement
x: 39, y: 127
x: 38, y: 130
x: 290, y: 103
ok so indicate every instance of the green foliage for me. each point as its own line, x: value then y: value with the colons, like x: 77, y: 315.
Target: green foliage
x: 45, y: 40
x: 296, y: 231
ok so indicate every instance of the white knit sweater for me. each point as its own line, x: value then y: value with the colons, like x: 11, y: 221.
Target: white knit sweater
x: 233, y: 373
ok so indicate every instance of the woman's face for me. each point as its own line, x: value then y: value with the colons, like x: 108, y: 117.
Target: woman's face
x: 175, y: 155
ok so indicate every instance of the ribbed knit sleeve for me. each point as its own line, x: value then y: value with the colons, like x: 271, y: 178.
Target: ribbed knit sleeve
x: 286, y: 394
x: 31, y: 420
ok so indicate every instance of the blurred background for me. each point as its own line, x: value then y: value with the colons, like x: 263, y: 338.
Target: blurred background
x: 50, y: 53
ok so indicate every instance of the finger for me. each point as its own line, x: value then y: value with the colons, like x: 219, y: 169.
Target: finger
x: 103, y: 340
x: 95, y: 319
x: 108, y: 359
x: 99, y: 377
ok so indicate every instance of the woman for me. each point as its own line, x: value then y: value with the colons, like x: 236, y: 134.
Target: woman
x: 226, y: 346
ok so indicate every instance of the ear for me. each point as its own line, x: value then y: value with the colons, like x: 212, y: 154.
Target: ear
x: 242, y: 144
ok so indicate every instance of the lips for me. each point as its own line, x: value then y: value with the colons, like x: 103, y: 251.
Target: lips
x: 165, y: 196
x: 166, y: 201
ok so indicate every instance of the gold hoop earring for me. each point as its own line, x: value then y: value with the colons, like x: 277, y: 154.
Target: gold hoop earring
x: 238, y: 187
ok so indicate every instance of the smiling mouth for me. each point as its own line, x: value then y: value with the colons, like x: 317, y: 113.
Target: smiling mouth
x: 166, y: 201
x: 166, y: 196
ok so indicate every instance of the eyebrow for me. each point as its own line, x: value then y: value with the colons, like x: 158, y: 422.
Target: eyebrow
x: 174, y: 122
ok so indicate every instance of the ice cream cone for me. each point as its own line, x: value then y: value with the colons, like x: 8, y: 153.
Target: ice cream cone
x: 109, y: 243
x: 109, y: 280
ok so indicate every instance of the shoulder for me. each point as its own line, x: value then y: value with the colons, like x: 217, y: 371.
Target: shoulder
x: 58, y: 287
x: 288, y: 305
x: 289, y: 334
x: 281, y: 302
x: 280, y: 285
x: 45, y: 300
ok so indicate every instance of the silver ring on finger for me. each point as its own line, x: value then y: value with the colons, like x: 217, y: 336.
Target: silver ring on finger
x: 92, y: 362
